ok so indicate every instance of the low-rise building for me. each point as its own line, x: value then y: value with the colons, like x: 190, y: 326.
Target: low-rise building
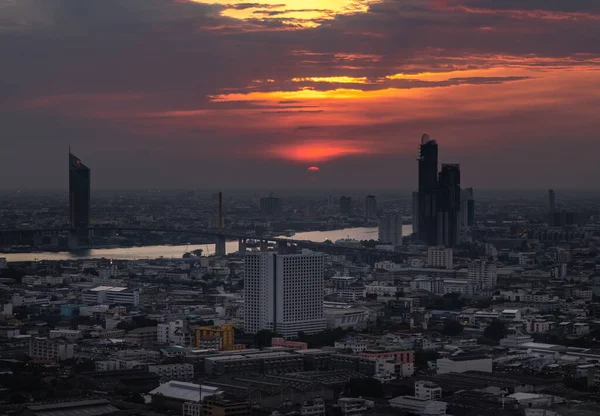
x: 463, y: 363
x: 142, y: 336
x: 416, y: 405
x: 102, y: 295
x: 68, y: 334
x: 50, y: 349
x: 173, y: 371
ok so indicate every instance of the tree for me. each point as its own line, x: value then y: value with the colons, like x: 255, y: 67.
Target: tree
x: 263, y: 338
x: 452, y: 328
x: 496, y: 330
x: 90, y: 271
x: 365, y: 387
x: 422, y: 359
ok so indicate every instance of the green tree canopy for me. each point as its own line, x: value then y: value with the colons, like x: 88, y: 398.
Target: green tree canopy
x: 452, y: 328
x: 496, y: 330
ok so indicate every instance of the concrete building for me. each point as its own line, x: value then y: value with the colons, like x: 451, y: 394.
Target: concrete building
x: 440, y: 257
x: 284, y: 293
x: 225, y: 334
x: 416, y: 405
x: 142, y: 336
x: 175, y: 394
x: 68, y: 334
x: 173, y: 371
x: 50, y: 349
x: 346, y: 318
x: 462, y: 287
x: 390, y: 229
x: 370, y: 207
x: 281, y: 342
x: 483, y: 274
x: 350, y: 406
x: 222, y: 405
x: 264, y: 363
x: 175, y: 333
x: 464, y: 363
x: 427, y: 390
x: 108, y: 295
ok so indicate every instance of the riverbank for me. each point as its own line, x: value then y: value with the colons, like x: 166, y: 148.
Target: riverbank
x: 177, y: 251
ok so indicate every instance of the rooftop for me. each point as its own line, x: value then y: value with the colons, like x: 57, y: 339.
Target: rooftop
x: 185, y: 391
x: 108, y: 289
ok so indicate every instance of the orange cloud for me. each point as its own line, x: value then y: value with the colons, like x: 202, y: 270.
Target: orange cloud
x: 318, y: 151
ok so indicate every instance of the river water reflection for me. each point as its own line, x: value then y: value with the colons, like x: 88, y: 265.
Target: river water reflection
x: 153, y: 252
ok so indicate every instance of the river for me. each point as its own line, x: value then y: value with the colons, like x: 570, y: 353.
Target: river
x: 153, y: 252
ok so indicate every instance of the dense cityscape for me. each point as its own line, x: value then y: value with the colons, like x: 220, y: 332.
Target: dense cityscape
x: 299, y: 208
x: 439, y: 301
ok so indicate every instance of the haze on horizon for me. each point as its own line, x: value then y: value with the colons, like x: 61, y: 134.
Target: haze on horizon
x: 234, y: 94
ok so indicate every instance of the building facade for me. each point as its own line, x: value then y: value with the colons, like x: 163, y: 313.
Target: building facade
x: 390, y: 229
x: 284, y: 293
x: 440, y: 257
x: 448, y: 204
x: 370, y: 207
x: 428, y: 177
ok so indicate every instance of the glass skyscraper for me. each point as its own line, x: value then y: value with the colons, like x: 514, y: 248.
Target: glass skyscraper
x: 79, y: 193
x: 428, y: 186
x: 449, y: 220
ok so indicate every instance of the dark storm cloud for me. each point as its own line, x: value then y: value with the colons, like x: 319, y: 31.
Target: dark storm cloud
x: 89, y: 73
x: 585, y: 6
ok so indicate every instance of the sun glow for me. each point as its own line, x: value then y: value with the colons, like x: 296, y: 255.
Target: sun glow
x: 317, y: 152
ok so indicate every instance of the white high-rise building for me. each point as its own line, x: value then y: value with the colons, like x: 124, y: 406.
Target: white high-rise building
x: 483, y: 275
x: 440, y: 257
x: 284, y: 293
x: 390, y: 229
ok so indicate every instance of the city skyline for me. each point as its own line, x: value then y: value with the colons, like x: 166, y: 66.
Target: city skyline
x: 302, y: 94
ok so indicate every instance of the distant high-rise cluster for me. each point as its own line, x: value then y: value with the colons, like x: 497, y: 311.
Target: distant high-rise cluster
x: 440, y: 208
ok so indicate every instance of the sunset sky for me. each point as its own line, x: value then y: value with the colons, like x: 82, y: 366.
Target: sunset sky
x: 237, y: 94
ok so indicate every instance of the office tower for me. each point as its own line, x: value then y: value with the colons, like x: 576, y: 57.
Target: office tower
x: 415, y: 213
x: 390, y: 229
x: 448, y: 206
x: 370, y: 207
x: 551, y: 201
x: 270, y: 206
x: 440, y: 257
x: 79, y: 193
x: 284, y: 293
x: 483, y: 275
x: 346, y: 205
x: 428, y: 184
x: 467, y: 207
x: 330, y: 205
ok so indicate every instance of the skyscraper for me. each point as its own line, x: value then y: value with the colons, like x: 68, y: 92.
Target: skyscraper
x: 284, y: 293
x: 415, y: 213
x: 428, y: 184
x: 390, y: 228
x: 370, y: 207
x: 346, y: 205
x: 270, y: 206
x: 448, y: 208
x: 551, y: 201
x: 79, y: 193
x: 467, y: 207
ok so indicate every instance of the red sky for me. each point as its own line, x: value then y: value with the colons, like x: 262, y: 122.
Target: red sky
x: 227, y: 93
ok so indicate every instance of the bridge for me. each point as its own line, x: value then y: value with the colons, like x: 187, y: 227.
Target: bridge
x: 284, y: 245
